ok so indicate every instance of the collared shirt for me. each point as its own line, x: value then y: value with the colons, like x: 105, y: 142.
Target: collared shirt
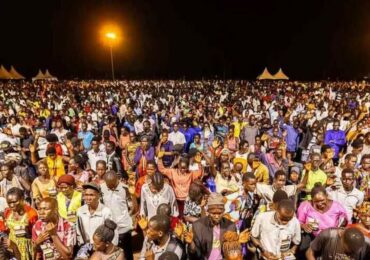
x: 276, y: 238
x: 117, y: 201
x: 349, y: 200
x: 177, y: 138
x: 87, y: 223
x: 65, y: 231
x: 266, y: 191
x: 157, y: 250
x: 94, y: 157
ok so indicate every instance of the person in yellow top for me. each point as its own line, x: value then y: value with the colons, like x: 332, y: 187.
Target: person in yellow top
x: 258, y: 168
x: 54, y: 162
x: 69, y: 200
x: 43, y: 186
x: 45, y: 113
x: 226, y: 182
x: 238, y: 126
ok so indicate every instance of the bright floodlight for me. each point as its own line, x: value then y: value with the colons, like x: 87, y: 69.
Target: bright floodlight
x: 111, y: 35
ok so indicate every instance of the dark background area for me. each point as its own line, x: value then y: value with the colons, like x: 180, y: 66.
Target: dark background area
x: 192, y: 39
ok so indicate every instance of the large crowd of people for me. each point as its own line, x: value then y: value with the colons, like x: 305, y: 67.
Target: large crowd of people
x: 172, y: 170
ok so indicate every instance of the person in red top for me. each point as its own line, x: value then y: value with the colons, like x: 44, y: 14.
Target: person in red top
x: 52, y: 236
x: 19, y: 220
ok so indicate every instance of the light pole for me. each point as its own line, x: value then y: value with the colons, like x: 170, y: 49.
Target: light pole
x: 111, y: 37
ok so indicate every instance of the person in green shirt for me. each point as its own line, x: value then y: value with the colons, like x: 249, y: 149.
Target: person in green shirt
x: 315, y: 173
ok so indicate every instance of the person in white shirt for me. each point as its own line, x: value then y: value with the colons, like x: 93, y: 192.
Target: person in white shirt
x: 96, y: 153
x: 154, y: 193
x: 139, y: 124
x: 277, y: 234
x: 89, y: 217
x: 117, y: 198
x: 347, y: 195
x: 59, y: 130
x: 176, y: 137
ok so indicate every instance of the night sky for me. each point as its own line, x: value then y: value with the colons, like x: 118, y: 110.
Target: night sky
x: 191, y: 39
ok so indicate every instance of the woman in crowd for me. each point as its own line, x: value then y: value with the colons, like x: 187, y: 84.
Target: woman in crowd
x: 144, y: 153
x: 195, y: 203
x: 103, y: 246
x: 43, y: 186
x: 69, y: 199
x: 154, y: 193
x: 128, y: 152
x: 19, y: 219
x: 76, y: 169
x: 318, y: 214
x: 10, y: 180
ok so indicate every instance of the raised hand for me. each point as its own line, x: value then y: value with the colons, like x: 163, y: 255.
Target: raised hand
x: 179, y: 229
x: 32, y: 148
x: 244, y: 236
x: 143, y: 222
x: 188, y: 236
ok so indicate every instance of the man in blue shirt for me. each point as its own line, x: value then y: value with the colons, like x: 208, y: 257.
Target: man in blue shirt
x: 336, y: 139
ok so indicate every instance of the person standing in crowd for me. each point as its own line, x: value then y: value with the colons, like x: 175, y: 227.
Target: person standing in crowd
x: 43, y: 186
x: 55, y: 162
x: 19, y: 219
x: 101, y: 169
x: 96, y: 153
x: 113, y: 161
x: 86, y: 136
x: 103, y: 246
x: 347, y: 195
x: 177, y: 137
x: 258, y: 168
x: 319, y: 214
x: 52, y: 236
x: 144, y: 153
x: 10, y: 180
x: 165, y: 146
x: 69, y: 200
x: 266, y: 192
x: 91, y: 213
x: 339, y: 244
x: 128, y: 153
x: 180, y: 179
x: 336, y: 139
x: 159, y: 240
x: 194, y: 207
x: 315, y: 174
x: 117, y: 198
x: 205, y: 240
x: 154, y: 193
x: 277, y: 234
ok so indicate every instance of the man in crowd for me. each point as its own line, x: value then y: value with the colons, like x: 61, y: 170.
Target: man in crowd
x: 53, y: 236
x: 205, y: 240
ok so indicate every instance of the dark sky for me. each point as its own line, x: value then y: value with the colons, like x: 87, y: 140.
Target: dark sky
x: 172, y: 39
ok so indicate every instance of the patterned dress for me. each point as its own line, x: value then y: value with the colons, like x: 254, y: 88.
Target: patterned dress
x: 20, y: 230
